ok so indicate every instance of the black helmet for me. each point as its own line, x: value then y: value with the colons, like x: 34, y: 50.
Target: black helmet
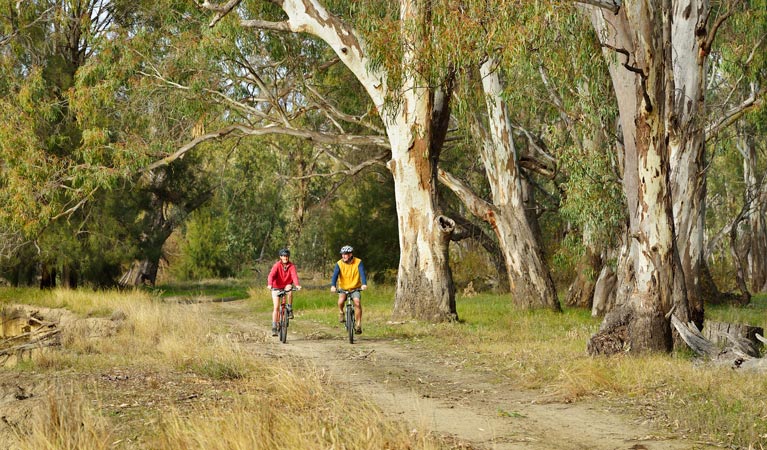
x: 284, y: 252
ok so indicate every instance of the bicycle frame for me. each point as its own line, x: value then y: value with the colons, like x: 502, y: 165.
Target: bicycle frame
x: 282, y: 313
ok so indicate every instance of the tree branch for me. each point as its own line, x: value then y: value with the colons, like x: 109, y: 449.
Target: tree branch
x: 612, y: 5
x: 323, y: 138
x: 712, y: 34
x: 283, y: 26
x: 477, y: 206
x: 220, y: 10
x: 754, y: 101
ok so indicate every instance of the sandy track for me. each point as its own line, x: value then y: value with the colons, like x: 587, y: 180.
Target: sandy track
x: 476, y: 408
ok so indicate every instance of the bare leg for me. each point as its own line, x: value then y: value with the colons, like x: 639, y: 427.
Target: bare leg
x: 275, y: 304
x: 358, y: 312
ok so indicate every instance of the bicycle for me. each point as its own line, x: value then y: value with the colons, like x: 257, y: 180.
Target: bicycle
x: 349, y: 317
x: 283, y: 321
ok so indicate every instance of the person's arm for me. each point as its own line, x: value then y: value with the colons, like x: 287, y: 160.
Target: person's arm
x: 294, y: 276
x: 334, y: 279
x: 363, y: 278
x: 271, y: 277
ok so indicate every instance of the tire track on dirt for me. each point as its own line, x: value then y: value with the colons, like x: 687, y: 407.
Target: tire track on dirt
x: 434, y: 393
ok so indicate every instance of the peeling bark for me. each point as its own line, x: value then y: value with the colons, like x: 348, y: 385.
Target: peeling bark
x: 424, y: 283
x: 640, y: 64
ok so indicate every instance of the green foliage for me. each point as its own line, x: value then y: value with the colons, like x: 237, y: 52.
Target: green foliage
x: 203, y: 247
x: 364, y: 216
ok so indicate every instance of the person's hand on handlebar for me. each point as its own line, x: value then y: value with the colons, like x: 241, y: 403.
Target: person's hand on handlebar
x: 332, y: 288
x: 364, y: 286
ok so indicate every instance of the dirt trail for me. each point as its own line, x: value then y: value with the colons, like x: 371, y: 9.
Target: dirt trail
x: 426, y: 390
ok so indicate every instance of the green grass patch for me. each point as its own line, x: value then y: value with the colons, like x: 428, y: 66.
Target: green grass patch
x: 217, y: 289
x: 754, y: 314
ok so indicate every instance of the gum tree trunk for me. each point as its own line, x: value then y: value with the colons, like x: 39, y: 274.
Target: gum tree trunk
x: 650, y: 279
x: 530, y: 282
x: 756, y: 193
x: 687, y: 144
x: 424, y: 283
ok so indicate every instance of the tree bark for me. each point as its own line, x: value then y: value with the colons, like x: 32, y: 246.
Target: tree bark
x: 604, y: 292
x: 588, y: 270
x: 641, y: 66
x: 424, y: 284
x: 756, y: 194
x: 686, y: 142
x: 530, y: 281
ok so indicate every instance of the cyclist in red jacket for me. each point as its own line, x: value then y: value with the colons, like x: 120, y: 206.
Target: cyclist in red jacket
x: 282, y: 276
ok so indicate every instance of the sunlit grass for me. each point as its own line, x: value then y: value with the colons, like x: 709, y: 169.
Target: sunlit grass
x: 754, y: 314
x: 218, y: 289
x: 525, y: 349
x: 540, y: 349
x: 66, y: 421
x: 293, y: 408
x: 271, y: 404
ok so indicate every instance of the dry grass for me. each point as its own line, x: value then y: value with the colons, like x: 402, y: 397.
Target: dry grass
x: 263, y: 404
x: 273, y: 407
x: 285, y: 410
x: 67, y: 423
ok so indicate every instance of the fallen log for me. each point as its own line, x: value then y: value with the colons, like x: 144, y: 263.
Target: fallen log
x: 735, y: 351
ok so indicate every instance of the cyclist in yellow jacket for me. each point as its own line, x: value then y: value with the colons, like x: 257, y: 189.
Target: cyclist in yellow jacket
x: 349, y: 274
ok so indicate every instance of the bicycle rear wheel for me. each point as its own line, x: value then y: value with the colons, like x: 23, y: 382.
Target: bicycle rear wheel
x: 350, y: 322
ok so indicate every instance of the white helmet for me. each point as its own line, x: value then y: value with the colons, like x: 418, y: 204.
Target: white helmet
x: 346, y: 249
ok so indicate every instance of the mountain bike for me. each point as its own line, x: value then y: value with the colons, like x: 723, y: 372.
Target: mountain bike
x: 282, y: 313
x: 349, y: 318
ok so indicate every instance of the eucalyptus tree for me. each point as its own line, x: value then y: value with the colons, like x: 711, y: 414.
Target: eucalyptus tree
x: 736, y: 99
x: 657, y: 57
x: 530, y: 282
x: 402, y: 85
x: 78, y: 126
x: 47, y: 172
x: 742, y: 74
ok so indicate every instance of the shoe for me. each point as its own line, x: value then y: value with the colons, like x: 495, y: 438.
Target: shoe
x: 341, y: 317
x: 358, y: 330
x: 290, y: 313
x: 274, y: 331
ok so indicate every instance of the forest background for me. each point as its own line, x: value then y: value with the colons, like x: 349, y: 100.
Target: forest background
x: 202, y: 138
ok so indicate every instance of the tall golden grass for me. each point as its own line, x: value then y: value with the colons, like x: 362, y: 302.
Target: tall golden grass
x: 527, y: 349
x: 270, y: 404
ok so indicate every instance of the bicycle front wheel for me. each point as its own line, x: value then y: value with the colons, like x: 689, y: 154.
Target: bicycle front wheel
x: 350, y: 322
x: 284, y: 326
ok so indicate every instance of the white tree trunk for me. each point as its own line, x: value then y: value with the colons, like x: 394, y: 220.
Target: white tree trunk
x: 756, y: 194
x: 687, y: 144
x: 530, y: 282
x: 642, y: 81
x: 424, y: 283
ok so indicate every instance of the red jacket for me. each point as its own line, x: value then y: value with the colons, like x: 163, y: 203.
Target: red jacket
x: 280, y: 276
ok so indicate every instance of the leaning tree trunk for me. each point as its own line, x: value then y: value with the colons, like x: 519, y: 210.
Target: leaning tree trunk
x: 530, y: 282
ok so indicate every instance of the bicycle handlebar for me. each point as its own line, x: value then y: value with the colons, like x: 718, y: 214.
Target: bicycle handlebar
x: 344, y: 291
x: 285, y: 291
